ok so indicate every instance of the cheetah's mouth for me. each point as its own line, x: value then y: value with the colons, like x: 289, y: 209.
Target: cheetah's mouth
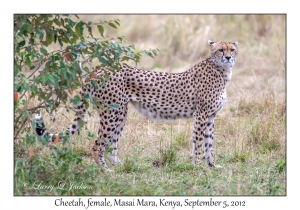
x: 227, y: 62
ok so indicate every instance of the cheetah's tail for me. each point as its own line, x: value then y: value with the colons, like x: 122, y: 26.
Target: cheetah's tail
x: 41, y: 130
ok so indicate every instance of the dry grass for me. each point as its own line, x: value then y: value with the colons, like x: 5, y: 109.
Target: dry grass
x: 250, y: 134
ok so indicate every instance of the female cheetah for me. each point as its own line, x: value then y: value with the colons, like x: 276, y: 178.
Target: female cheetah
x: 197, y: 93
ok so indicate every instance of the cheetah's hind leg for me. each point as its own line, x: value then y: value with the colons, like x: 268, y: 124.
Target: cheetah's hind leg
x: 98, y: 152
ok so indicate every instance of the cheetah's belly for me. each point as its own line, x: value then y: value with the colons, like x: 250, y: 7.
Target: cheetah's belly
x: 160, y: 111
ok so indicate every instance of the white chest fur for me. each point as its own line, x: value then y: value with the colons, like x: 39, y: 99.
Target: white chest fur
x: 226, y: 74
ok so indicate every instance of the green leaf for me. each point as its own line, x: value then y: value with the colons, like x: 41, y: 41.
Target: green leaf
x: 38, y: 33
x: 60, y: 41
x: 114, y: 106
x: 65, y: 74
x: 86, y: 104
x: 65, y: 138
x: 44, y: 79
x: 24, y: 29
x: 75, y: 100
x: 64, y: 39
x: 49, y: 38
x: 21, y: 43
x: 73, y: 73
x: 121, y: 39
x: 50, y: 23
x: 24, y: 115
x: 79, y: 29
x: 28, y: 61
x: 90, y: 97
x: 100, y: 29
x: 125, y: 58
x: 31, y: 41
x: 29, y: 139
x: 34, y: 89
x: 112, y: 25
x: 71, y: 23
x: 43, y: 51
x: 90, y: 134
x: 80, y: 123
x: 117, y: 22
x: 102, y: 60
x: 73, y: 39
x: 53, y: 80
x: 42, y: 140
x: 109, y: 149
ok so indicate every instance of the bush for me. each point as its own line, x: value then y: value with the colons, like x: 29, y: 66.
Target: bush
x: 53, y: 56
x: 50, y: 76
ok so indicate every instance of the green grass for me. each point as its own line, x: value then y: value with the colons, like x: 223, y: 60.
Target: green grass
x: 252, y: 158
x: 178, y: 178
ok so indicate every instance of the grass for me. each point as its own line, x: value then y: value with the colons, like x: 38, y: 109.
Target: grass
x: 250, y: 131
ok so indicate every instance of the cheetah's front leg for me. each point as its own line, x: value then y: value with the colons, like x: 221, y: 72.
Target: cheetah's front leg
x: 112, y: 156
x: 208, y: 143
x: 197, y: 136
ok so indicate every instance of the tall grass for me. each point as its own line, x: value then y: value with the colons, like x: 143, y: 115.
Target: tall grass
x: 250, y: 131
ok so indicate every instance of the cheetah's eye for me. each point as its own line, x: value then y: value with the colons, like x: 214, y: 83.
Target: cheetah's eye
x: 221, y: 50
x: 232, y: 50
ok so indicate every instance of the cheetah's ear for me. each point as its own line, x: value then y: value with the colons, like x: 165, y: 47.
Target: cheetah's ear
x: 210, y: 43
x: 235, y: 43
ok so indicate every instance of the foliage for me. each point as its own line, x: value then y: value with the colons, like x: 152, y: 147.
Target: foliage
x: 50, y: 76
x: 54, y: 55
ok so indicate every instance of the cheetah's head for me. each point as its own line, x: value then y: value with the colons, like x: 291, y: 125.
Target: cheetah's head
x: 223, y: 53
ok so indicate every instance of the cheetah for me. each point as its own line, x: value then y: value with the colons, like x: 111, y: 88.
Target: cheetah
x: 197, y: 93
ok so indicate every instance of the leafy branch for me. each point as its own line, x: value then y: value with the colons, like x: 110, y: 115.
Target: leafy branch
x: 53, y: 55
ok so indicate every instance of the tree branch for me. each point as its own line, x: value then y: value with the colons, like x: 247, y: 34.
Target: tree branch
x: 21, y: 128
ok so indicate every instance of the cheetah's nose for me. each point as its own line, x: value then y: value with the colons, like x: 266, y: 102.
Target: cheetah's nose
x: 228, y: 57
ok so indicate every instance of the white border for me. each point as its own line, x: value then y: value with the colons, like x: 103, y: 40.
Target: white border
x: 152, y: 6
